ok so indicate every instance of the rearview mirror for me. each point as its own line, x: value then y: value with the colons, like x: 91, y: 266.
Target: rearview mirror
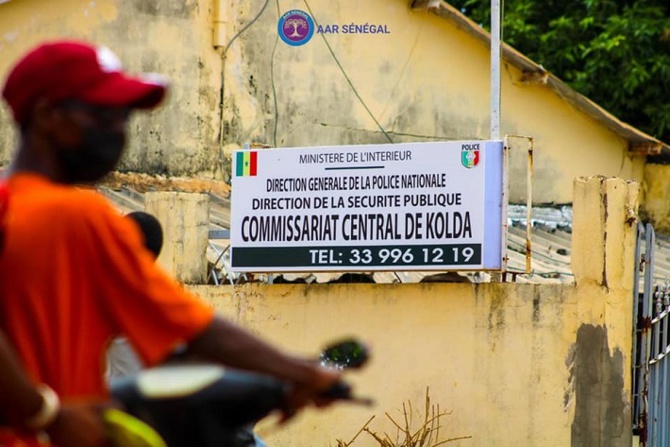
x: 349, y: 353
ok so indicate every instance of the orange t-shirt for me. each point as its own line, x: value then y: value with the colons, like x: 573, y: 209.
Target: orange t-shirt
x: 73, y: 274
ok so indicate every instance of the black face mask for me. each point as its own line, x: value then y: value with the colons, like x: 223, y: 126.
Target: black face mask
x: 98, y: 154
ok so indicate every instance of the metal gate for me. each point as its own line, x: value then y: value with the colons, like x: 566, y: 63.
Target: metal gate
x: 651, y: 346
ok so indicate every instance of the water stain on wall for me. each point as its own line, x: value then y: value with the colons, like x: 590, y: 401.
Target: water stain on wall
x: 598, y: 382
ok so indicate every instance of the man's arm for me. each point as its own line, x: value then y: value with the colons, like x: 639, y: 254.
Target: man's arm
x: 73, y: 425
x: 227, y: 343
x: 19, y: 399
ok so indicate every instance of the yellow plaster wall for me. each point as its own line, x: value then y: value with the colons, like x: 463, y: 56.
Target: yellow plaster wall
x: 604, y: 231
x: 425, y: 80
x: 184, y: 218
x: 173, y: 38
x: 514, y: 364
x: 504, y: 359
x: 656, y: 203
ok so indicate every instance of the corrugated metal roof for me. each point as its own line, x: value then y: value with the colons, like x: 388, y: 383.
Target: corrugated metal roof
x: 550, y: 261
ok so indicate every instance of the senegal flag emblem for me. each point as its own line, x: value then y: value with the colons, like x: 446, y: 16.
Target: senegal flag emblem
x: 246, y: 163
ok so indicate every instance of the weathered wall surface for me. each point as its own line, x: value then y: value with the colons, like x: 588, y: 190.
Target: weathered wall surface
x: 184, y: 218
x: 656, y: 203
x: 515, y: 364
x: 423, y: 80
x: 168, y: 37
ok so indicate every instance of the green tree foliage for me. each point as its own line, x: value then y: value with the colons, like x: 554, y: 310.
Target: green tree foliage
x: 616, y: 52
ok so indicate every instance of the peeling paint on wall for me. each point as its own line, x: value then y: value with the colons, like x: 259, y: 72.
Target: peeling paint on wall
x: 181, y: 9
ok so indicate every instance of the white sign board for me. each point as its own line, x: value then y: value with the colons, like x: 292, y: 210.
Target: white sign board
x: 411, y: 206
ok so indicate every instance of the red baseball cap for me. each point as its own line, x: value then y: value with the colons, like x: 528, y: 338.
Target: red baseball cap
x: 63, y: 70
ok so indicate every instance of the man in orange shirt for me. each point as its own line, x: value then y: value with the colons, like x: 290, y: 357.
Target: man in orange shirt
x: 74, y: 273
x: 31, y: 408
x: 121, y: 357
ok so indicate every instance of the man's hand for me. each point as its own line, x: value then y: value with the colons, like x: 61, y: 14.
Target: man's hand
x: 311, y: 391
x: 79, y: 424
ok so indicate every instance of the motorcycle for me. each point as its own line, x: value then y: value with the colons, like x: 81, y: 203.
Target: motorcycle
x: 208, y: 405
